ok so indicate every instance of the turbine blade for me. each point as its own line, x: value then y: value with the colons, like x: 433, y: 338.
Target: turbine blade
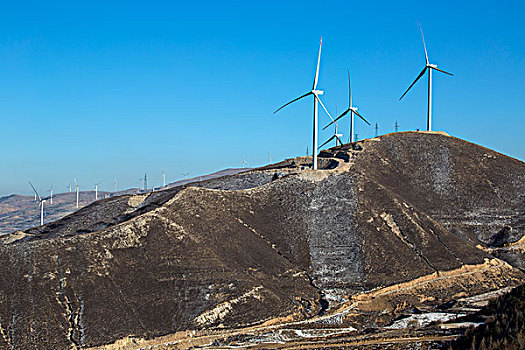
x: 349, y: 91
x: 318, y: 61
x: 34, y: 189
x: 338, y: 139
x: 330, y: 139
x: 360, y: 116
x: 336, y: 119
x: 424, y: 45
x: 292, y: 101
x: 419, y: 76
x: 318, y: 99
x: 441, y: 70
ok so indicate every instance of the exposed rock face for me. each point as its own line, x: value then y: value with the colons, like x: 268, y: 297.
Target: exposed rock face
x: 273, y: 242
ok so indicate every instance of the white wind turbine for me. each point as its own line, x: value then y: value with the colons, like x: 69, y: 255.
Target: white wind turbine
x: 428, y: 67
x: 352, y: 110
x: 76, y: 189
x: 96, y: 190
x: 315, y: 93
x: 244, y: 162
x: 51, y: 194
x: 41, y: 202
x: 163, y: 179
x: 336, y: 136
x: 115, y: 184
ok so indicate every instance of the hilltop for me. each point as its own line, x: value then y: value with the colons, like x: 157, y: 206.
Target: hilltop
x: 392, y: 227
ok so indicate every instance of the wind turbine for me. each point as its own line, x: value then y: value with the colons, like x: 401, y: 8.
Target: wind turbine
x: 377, y: 130
x: 51, y: 194
x: 315, y: 93
x: 76, y: 189
x: 41, y: 203
x: 396, y: 126
x: 244, y: 162
x: 428, y: 67
x: 69, y: 186
x: 163, y: 179
x: 352, y: 110
x: 336, y: 136
x: 185, y: 175
x: 96, y: 190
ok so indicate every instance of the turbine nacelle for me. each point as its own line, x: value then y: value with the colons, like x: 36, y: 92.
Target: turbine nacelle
x: 317, y: 92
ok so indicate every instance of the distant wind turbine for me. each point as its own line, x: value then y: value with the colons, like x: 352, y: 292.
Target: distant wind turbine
x: 76, y: 189
x: 41, y: 202
x: 428, y: 67
x: 352, y: 110
x: 185, y: 175
x: 115, y: 184
x: 377, y: 130
x: 396, y: 126
x: 51, y: 194
x: 315, y: 93
x: 244, y: 162
x: 96, y: 190
x: 69, y: 186
x: 336, y: 136
x: 163, y: 179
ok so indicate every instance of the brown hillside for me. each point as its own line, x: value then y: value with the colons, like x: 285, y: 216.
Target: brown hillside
x: 273, y: 242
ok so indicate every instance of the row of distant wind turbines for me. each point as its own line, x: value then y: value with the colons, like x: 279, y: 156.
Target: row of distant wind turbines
x: 352, y: 109
x: 42, y: 201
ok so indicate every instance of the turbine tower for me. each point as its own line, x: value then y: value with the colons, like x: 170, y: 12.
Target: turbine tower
x: 244, y: 162
x: 163, y: 179
x: 76, y: 189
x: 41, y: 202
x: 377, y: 130
x: 115, y: 184
x: 352, y: 110
x: 51, y: 194
x: 428, y: 67
x: 396, y: 126
x: 96, y: 190
x: 315, y: 93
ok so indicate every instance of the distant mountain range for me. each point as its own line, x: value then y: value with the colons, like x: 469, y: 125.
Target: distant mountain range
x: 19, y: 212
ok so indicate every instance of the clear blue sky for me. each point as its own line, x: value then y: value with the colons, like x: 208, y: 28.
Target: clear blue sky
x: 97, y: 89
